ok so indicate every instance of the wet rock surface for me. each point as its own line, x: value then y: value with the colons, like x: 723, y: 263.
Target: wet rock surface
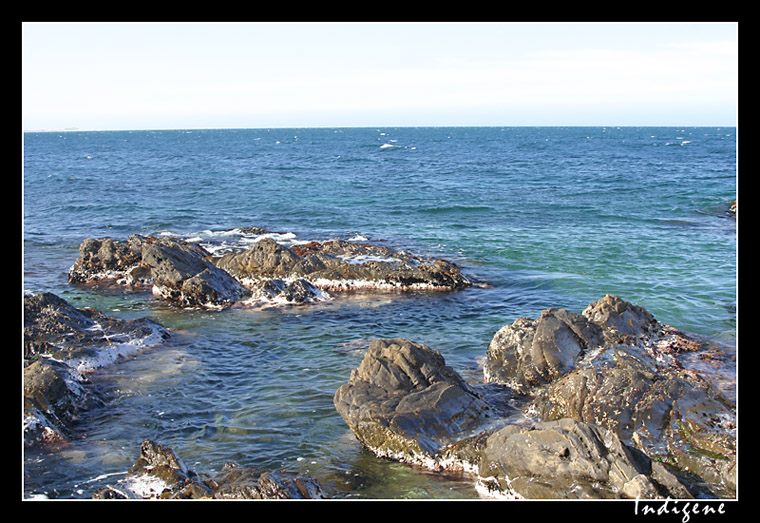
x: 54, y: 327
x: 609, y: 409
x: 104, y: 258
x: 160, y: 474
x: 62, y: 345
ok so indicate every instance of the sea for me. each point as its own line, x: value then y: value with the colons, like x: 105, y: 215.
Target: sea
x: 539, y: 217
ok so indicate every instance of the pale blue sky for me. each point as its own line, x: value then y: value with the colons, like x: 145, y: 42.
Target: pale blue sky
x: 216, y: 75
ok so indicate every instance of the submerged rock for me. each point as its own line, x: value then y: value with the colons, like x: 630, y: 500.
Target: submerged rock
x: 160, y: 474
x: 62, y: 344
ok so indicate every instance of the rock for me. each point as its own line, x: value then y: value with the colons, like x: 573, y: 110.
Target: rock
x: 404, y: 403
x: 161, y: 462
x: 265, y: 259
x: 564, y: 459
x: 250, y: 483
x: 279, y: 292
x: 341, y: 265
x: 104, y: 259
x: 665, y: 412
x: 183, y: 275
x: 157, y: 474
x: 186, y: 275
x: 618, y: 368
x: 532, y: 352
x: 62, y: 344
x: 53, y: 399
x: 611, y: 411
x: 84, y: 338
x: 160, y: 474
x: 620, y: 319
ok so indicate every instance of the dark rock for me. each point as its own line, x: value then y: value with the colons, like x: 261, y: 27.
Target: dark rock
x: 61, y: 345
x: 533, y: 352
x: 53, y: 399
x: 236, y: 482
x: 610, y: 410
x: 161, y: 462
x: 340, y: 265
x: 621, y: 370
x: 564, y: 459
x: 253, y: 230
x: 183, y: 275
x: 160, y: 474
x: 290, y: 292
x: 403, y: 402
x: 109, y: 492
x: 102, y: 259
x: 52, y: 326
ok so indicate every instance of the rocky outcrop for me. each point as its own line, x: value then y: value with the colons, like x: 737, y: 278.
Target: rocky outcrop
x: 267, y: 272
x: 570, y: 459
x: 85, y: 338
x: 160, y: 474
x: 105, y: 259
x: 339, y: 266
x: 610, y: 409
x: 182, y: 274
x: 626, y: 376
x: 404, y: 402
x: 342, y: 265
x: 62, y: 345
x: 621, y: 320
x: 532, y: 352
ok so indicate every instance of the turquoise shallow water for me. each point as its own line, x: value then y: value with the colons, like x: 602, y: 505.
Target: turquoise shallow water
x: 543, y: 216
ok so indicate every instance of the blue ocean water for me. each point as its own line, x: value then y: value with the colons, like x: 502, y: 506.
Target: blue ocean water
x: 543, y: 217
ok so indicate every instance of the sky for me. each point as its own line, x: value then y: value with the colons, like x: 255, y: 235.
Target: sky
x: 94, y: 75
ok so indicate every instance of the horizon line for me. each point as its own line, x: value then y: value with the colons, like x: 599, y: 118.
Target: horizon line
x: 406, y: 126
